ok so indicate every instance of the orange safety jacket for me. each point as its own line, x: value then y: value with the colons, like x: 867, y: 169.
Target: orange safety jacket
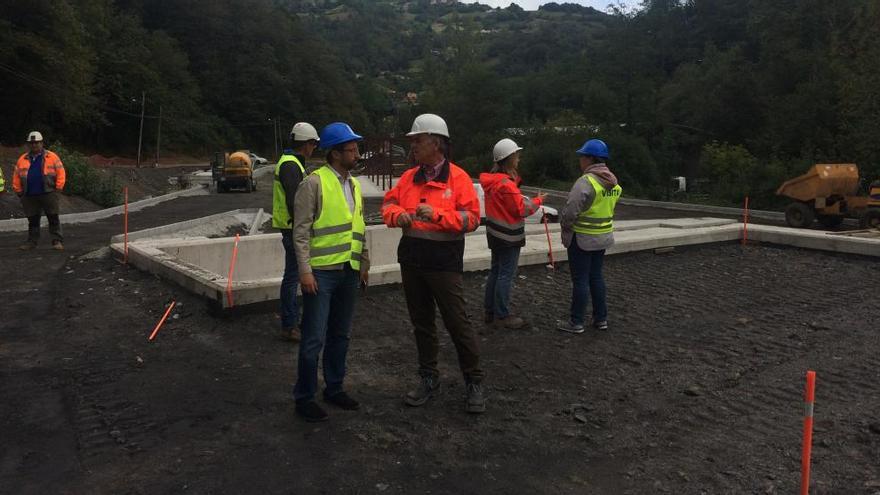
x: 54, y: 176
x: 506, y: 209
x: 438, y: 244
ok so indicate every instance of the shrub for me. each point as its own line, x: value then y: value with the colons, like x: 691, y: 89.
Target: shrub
x: 86, y: 181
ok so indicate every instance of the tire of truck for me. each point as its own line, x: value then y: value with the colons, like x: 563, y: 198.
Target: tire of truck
x: 871, y: 219
x: 830, y: 221
x: 799, y: 215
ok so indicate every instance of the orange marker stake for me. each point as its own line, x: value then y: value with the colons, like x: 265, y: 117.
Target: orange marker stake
x: 809, y: 398
x: 125, y: 226
x: 164, y: 317
x: 549, y: 244
x: 745, y: 238
x: 231, y: 272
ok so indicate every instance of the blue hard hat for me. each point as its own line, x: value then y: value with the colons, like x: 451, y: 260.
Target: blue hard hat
x: 337, y: 133
x: 594, y: 147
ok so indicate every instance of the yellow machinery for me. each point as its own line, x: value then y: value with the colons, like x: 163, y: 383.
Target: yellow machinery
x: 830, y: 192
x: 233, y: 171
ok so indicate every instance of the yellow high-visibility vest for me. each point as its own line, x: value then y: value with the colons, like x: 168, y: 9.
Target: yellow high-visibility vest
x: 338, y: 233
x: 280, y: 216
x: 599, y: 217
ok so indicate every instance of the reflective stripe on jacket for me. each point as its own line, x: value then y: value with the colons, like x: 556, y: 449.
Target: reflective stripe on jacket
x: 598, y: 219
x: 338, y: 232
x: 280, y: 213
x: 506, y: 209
x: 54, y: 176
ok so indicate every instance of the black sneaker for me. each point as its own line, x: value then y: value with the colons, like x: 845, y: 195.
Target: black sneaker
x: 601, y: 325
x: 342, y: 400
x: 426, y: 389
x: 476, y: 403
x: 311, y: 411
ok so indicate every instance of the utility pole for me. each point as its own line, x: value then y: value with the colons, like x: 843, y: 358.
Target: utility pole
x: 277, y: 132
x: 141, y: 133
x: 158, y: 136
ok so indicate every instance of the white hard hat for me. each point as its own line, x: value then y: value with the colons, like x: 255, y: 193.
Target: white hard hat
x: 428, y: 123
x: 503, y: 149
x: 35, y: 136
x: 303, y: 131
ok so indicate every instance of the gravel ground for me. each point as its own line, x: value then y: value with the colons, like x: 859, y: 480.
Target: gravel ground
x: 697, y: 387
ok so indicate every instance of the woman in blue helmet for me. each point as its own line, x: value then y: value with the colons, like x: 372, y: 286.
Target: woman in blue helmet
x: 587, y: 223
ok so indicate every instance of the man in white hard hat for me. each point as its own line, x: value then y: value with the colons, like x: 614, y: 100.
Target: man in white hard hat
x: 289, y: 172
x: 38, y: 176
x: 435, y: 204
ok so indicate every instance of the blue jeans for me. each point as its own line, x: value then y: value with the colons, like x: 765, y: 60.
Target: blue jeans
x: 586, y: 279
x: 504, y: 263
x: 326, y: 324
x: 289, y: 308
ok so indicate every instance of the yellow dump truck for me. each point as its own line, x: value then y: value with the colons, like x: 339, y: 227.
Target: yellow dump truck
x: 830, y: 193
x: 233, y: 171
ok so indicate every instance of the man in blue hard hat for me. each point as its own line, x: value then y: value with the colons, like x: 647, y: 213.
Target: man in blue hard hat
x: 587, y: 222
x: 330, y: 243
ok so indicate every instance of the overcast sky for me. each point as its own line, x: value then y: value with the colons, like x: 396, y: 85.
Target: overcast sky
x: 533, y: 4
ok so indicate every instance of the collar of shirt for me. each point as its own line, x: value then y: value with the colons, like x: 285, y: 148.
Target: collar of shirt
x: 432, y: 171
x: 346, y: 187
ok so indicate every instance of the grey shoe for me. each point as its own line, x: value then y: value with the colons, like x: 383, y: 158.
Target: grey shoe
x: 476, y: 403
x: 511, y: 322
x: 426, y: 389
x: 567, y: 326
x: 601, y: 325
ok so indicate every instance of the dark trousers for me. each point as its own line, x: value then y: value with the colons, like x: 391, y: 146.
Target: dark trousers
x: 34, y: 207
x: 326, y: 325
x: 289, y: 308
x: 425, y: 291
x: 586, y: 283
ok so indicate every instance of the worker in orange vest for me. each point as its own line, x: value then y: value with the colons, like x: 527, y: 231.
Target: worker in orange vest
x: 37, y: 179
x: 435, y: 204
x: 506, y: 210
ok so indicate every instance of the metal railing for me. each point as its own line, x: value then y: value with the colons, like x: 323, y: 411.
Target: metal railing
x: 379, y: 156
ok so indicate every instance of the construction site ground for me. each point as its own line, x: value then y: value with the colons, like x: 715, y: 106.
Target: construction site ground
x: 697, y: 387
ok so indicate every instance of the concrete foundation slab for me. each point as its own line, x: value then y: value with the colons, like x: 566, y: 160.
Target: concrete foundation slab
x: 201, y: 265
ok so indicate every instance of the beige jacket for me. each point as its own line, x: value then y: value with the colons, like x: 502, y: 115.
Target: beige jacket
x: 306, y: 207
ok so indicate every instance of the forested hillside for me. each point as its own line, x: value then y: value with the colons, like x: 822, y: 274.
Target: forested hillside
x: 742, y: 93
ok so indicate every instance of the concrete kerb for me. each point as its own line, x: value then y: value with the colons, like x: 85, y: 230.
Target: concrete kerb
x: 200, y: 265
x: 20, y: 224
x: 166, y: 230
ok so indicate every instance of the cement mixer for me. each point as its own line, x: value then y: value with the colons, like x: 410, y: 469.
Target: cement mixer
x: 233, y: 171
x: 830, y: 193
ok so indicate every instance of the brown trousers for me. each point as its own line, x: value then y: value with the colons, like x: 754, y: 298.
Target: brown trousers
x: 34, y: 207
x: 425, y: 291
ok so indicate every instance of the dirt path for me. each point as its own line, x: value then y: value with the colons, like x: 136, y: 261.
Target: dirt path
x: 696, y: 388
